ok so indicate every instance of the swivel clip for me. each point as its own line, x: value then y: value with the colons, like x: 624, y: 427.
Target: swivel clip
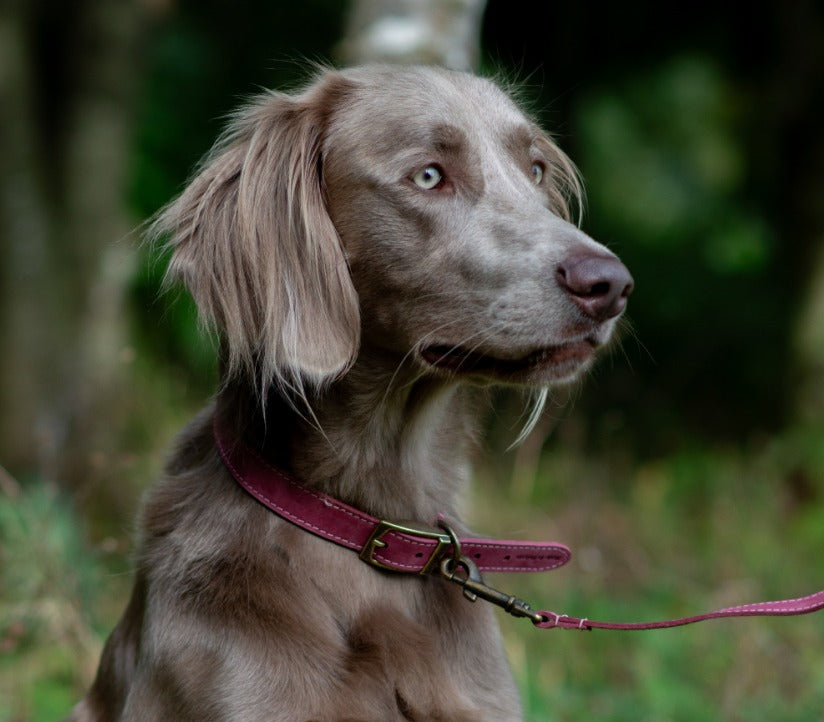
x: 463, y: 571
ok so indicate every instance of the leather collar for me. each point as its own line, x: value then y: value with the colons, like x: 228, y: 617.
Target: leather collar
x: 399, y: 547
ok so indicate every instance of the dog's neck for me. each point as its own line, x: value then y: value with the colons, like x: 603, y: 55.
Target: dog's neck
x: 391, y: 443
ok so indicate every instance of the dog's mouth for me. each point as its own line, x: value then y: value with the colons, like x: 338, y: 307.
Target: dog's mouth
x: 557, y: 361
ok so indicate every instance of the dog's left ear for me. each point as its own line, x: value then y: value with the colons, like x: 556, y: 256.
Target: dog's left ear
x: 254, y: 243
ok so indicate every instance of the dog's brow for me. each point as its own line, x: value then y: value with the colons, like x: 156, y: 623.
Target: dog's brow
x: 519, y: 140
x: 448, y: 138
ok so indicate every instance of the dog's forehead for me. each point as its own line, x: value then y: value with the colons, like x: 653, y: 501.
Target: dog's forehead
x: 407, y: 104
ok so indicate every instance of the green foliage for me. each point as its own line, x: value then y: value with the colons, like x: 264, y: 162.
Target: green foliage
x: 632, y: 143
x: 667, y: 165
x: 48, y: 583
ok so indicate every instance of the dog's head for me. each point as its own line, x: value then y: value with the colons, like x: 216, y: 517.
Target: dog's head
x: 415, y: 211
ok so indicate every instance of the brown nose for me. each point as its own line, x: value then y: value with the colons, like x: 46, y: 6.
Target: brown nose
x: 599, y: 285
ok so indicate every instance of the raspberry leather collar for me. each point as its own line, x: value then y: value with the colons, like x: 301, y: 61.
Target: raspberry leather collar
x: 381, y: 543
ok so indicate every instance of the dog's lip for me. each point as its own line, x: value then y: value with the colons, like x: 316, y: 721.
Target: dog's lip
x: 462, y: 360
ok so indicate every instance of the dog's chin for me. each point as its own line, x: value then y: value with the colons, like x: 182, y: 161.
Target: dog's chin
x: 545, y: 365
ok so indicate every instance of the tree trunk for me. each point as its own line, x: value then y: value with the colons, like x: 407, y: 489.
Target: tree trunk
x: 431, y: 32
x: 809, y: 348
x: 24, y: 240
x: 66, y: 87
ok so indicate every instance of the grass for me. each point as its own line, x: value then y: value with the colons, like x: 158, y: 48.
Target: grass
x: 57, y: 600
x: 695, y: 531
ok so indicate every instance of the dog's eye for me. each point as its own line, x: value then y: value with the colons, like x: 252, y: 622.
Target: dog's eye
x: 428, y: 178
x: 537, y: 172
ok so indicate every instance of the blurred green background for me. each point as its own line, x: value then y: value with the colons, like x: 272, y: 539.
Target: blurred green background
x: 686, y: 473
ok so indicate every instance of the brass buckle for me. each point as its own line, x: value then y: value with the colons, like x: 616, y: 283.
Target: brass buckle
x: 375, y: 541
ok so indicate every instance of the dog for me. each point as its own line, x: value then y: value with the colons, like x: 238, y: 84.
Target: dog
x: 375, y: 251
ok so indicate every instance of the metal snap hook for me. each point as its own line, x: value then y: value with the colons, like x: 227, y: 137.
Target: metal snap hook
x: 473, y: 583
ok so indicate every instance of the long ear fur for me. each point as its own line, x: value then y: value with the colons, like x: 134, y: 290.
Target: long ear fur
x: 253, y: 242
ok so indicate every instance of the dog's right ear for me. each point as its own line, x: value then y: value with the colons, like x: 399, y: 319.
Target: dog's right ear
x: 254, y: 243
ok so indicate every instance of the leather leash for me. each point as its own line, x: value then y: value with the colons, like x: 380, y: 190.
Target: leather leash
x: 781, y: 608
x: 410, y: 549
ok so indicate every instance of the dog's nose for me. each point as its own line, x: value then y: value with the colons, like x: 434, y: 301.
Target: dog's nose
x: 599, y: 285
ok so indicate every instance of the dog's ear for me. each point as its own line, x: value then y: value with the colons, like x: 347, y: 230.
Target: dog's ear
x: 254, y: 243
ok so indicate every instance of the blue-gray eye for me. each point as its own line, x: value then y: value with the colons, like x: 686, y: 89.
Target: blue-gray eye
x: 427, y: 178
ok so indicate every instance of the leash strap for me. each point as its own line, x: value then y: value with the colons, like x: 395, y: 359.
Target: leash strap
x: 782, y: 608
x: 409, y: 549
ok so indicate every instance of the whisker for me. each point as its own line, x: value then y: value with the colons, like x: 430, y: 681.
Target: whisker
x: 536, y: 409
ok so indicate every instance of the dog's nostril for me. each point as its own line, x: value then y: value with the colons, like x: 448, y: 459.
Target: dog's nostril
x: 599, y: 285
x: 599, y: 289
